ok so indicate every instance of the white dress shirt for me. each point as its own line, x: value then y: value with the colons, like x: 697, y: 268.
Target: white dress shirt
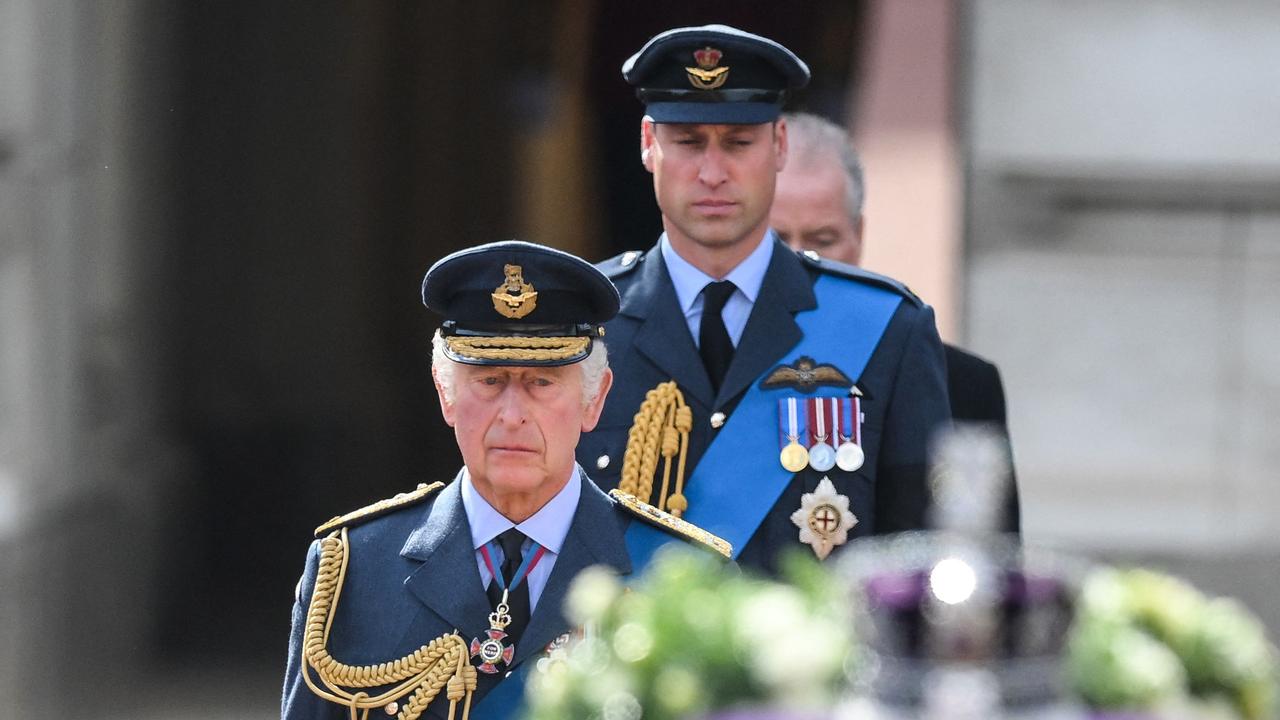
x: 547, y: 527
x: 689, y: 281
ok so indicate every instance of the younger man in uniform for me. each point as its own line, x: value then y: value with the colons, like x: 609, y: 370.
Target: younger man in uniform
x: 812, y: 388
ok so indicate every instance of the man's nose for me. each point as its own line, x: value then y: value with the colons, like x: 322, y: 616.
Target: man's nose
x: 712, y: 171
x: 511, y: 407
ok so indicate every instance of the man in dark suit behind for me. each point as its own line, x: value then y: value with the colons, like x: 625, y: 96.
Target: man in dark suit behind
x: 818, y: 207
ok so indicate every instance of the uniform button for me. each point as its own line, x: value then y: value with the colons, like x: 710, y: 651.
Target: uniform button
x: 392, y: 708
x: 602, y: 462
x: 717, y: 419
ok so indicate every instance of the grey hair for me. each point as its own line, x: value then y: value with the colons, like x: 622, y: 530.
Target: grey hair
x: 810, y: 138
x: 593, y: 367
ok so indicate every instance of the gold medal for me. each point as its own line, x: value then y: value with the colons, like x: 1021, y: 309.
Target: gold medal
x: 794, y: 457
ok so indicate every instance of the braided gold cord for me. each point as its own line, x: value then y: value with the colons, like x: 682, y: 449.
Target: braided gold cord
x: 518, y: 348
x: 660, y: 428
x: 423, y: 672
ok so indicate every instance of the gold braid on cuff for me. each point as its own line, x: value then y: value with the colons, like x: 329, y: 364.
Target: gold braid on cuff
x: 661, y: 427
x: 531, y: 349
x: 420, y: 675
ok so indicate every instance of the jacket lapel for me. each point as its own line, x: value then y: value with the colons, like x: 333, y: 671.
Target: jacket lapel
x: 595, y: 538
x: 448, y: 581
x: 771, y: 329
x: 663, y: 336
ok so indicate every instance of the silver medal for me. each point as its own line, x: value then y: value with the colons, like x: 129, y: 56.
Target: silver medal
x: 849, y: 457
x: 822, y: 457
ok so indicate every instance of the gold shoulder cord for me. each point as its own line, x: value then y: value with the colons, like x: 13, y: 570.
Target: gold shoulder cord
x: 423, y: 672
x: 661, y: 426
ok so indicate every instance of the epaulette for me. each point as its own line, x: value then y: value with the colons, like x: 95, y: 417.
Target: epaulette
x: 671, y: 523
x: 835, y: 267
x: 620, y: 265
x: 382, y: 507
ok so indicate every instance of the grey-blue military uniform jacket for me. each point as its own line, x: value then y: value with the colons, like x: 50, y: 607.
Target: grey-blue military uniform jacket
x: 412, y: 576
x: 904, y: 393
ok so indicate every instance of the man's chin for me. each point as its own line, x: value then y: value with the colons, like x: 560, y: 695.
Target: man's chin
x: 517, y: 480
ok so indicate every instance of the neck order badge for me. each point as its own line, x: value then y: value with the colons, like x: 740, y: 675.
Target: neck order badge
x: 492, y: 649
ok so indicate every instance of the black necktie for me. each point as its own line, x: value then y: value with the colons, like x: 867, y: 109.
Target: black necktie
x: 713, y: 339
x: 517, y: 599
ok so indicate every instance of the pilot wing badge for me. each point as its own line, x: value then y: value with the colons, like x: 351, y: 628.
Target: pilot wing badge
x: 805, y: 375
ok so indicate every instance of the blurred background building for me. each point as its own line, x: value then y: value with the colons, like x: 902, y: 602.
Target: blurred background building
x: 214, y: 218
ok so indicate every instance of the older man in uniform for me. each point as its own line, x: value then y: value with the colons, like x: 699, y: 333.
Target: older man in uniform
x: 789, y: 400
x: 450, y: 593
x: 818, y: 207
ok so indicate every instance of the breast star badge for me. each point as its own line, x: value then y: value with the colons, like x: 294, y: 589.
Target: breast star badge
x: 824, y: 519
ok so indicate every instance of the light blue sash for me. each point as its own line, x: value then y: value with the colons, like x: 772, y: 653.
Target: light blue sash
x: 739, y: 478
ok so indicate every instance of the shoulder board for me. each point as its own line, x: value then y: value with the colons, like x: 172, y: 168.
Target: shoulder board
x: 620, y: 265
x: 670, y: 523
x: 382, y: 507
x: 834, y: 267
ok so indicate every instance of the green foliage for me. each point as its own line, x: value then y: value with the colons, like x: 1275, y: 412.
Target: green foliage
x: 1142, y: 639
x: 694, y: 635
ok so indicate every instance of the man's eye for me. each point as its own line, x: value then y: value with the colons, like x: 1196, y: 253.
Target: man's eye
x: 541, y: 382
x: 491, y: 380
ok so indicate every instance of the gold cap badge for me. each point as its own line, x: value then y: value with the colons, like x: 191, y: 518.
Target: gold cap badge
x: 514, y: 298
x: 707, y: 76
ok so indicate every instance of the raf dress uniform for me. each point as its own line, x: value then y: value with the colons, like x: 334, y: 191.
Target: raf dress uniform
x: 818, y: 431
x: 400, y: 610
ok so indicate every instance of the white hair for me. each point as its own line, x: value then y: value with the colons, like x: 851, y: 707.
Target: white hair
x: 811, y: 138
x: 593, y: 367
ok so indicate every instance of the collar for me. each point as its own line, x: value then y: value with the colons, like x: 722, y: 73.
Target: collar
x: 689, y: 281
x: 547, y: 527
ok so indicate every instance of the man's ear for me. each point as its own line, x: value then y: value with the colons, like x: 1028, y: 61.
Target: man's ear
x: 591, y: 414
x: 647, y: 141
x: 780, y: 143
x: 446, y: 407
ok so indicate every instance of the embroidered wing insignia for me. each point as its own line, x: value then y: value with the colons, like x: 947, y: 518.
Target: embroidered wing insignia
x: 805, y: 375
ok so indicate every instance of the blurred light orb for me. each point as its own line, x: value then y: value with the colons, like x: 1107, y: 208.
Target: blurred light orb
x: 632, y: 642
x: 952, y: 581
x: 621, y: 706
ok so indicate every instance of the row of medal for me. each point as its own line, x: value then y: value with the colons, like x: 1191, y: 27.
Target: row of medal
x: 820, y: 433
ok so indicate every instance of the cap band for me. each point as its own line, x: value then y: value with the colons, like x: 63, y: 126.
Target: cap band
x: 738, y: 95
x: 517, y: 349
